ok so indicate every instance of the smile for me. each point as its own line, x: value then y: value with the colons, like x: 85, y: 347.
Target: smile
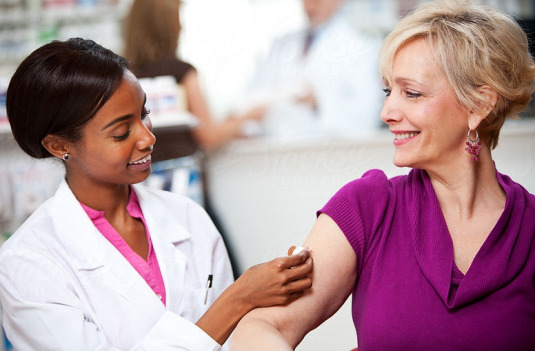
x: 403, y: 136
x: 143, y: 160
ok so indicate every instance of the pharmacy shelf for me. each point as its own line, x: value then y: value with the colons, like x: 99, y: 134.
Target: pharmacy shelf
x: 181, y: 120
x: 64, y: 14
x: 24, y: 28
x: 5, y: 129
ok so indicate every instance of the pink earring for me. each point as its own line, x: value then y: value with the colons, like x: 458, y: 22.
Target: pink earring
x: 473, y: 146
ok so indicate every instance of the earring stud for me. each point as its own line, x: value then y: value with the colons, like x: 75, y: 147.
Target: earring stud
x: 66, y: 156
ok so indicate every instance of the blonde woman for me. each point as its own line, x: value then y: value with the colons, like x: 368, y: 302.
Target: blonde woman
x: 444, y: 257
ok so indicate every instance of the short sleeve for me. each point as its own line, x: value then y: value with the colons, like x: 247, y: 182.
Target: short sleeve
x: 358, y: 209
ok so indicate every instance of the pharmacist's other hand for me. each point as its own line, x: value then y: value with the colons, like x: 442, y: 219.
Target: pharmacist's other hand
x: 256, y: 113
x: 277, y: 282
x: 309, y: 98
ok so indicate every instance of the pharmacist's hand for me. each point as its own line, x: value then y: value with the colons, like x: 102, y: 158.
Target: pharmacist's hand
x: 277, y: 282
x: 308, y: 99
x: 256, y: 113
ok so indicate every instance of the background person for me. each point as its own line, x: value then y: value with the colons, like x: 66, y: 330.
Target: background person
x: 441, y: 258
x: 152, y: 31
x: 322, y: 78
x: 106, y: 263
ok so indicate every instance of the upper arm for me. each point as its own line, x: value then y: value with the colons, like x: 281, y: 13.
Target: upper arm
x: 333, y: 279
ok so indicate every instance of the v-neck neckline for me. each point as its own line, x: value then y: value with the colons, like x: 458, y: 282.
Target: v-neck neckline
x: 494, y: 263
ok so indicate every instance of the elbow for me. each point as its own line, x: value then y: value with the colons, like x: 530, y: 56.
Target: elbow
x: 250, y: 331
x: 259, y: 331
x: 206, y: 142
x: 209, y: 138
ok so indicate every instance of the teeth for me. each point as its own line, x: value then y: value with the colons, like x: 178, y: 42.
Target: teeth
x: 404, y: 135
x: 143, y: 160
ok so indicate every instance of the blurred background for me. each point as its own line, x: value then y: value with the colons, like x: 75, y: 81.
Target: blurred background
x: 262, y: 189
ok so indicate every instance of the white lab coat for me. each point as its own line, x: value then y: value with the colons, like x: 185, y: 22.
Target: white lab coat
x: 64, y: 286
x: 341, y: 68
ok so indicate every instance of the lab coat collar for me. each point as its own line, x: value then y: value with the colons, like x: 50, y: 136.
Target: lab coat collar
x: 171, y: 259
x: 90, y: 250
x: 156, y: 214
x: 75, y: 230
x: 87, y: 245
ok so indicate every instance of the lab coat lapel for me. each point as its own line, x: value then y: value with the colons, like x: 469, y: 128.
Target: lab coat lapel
x: 166, y: 233
x: 76, y: 232
x: 98, y: 262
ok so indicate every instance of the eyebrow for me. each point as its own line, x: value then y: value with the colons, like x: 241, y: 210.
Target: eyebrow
x: 117, y: 120
x: 401, y: 80
x: 125, y: 117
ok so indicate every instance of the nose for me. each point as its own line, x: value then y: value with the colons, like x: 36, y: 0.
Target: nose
x: 146, y: 138
x: 391, y: 113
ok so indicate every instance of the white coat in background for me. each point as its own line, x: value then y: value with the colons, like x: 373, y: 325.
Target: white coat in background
x: 341, y: 69
x: 64, y: 286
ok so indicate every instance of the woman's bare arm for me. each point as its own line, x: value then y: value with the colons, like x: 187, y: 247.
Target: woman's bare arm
x: 284, y: 327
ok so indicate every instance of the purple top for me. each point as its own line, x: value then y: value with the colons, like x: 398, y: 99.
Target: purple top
x: 409, y: 293
x: 148, y: 268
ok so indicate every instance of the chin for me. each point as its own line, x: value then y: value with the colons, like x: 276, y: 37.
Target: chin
x: 141, y: 179
x: 401, y: 162
x: 408, y: 159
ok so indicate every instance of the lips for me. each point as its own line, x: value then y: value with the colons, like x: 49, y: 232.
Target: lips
x: 405, y: 135
x: 142, y: 161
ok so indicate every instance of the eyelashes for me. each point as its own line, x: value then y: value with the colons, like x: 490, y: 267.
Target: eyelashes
x: 412, y: 94
x: 144, y: 114
x: 124, y: 136
x: 408, y: 93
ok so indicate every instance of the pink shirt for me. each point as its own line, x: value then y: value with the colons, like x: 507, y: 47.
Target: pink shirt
x: 149, y: 268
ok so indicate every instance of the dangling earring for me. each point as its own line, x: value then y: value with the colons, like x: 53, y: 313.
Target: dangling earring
x: 473, y: 146
x: 66, y: 156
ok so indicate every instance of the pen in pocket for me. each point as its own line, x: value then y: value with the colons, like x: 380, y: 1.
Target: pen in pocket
x: 208, y: 286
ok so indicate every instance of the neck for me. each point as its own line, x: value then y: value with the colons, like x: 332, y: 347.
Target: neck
x: 469, y: 186
x: 316, y: 25
x: 109, y: 198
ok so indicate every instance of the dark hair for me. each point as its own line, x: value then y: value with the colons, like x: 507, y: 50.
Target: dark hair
x: 58, y: 88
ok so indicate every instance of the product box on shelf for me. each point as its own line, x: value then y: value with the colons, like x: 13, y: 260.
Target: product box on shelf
x: 4, y: 82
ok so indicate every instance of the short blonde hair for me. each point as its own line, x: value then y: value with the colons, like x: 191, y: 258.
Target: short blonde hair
x: 474, y: 45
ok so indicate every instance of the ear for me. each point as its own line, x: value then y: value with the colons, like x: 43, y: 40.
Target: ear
x: 488, y: 97
x: 56, y: 145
